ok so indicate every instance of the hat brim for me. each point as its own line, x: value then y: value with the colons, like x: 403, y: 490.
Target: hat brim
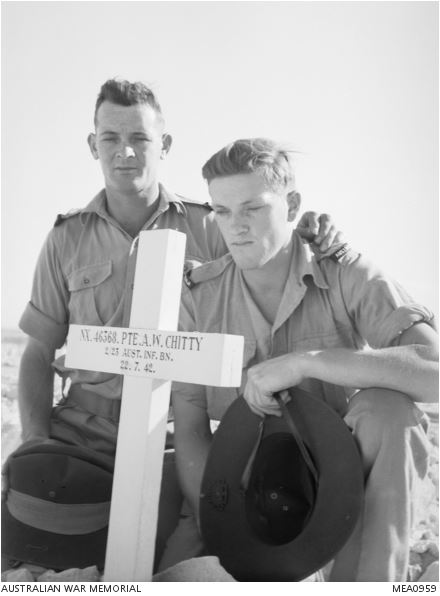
x: 53, y: 446
x: 28, y: 544
x: 21, y: 542
x: 226, y: 531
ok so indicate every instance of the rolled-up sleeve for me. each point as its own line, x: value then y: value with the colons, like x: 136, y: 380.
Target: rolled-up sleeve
x: 380, y: 308
x: 46, y: 315
x: 190, y: 392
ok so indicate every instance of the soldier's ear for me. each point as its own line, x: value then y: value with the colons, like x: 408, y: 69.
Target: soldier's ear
x: 294, y: 204
x: 167, y: 141
x: 91, y: 140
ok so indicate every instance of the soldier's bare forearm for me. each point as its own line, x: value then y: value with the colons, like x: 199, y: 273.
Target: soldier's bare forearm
x: 35, y: 390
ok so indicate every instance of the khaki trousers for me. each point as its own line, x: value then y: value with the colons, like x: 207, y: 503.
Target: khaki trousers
x: 391, y: 433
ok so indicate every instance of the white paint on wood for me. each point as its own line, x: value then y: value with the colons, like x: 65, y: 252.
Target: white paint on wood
x: 203, y: 358
x: 144, y: 412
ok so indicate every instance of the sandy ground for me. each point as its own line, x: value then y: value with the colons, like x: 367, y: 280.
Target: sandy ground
x: 424, y: 544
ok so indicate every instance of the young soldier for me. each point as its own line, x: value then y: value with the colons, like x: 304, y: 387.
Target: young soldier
x: 337, y: 327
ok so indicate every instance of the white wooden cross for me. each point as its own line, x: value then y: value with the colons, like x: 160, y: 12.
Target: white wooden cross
x: 150, y: 353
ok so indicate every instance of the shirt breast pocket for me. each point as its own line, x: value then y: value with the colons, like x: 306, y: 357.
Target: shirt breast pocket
x: 86, y: 285
x: 334, y: 337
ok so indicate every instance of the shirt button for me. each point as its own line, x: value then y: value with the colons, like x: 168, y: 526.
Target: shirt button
x: 86, y: 280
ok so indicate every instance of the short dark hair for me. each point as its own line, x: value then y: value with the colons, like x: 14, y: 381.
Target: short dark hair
x: 260, y: 155
x: 124, y: 93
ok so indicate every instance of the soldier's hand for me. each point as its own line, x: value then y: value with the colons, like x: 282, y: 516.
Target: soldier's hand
x: 319, y: 229
x: 268, y: 377
x: 266, y: 405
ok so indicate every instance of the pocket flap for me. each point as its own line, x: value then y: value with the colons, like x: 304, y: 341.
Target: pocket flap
x: 89, y: 277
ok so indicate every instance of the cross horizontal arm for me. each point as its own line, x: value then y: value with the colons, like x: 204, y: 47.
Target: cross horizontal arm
x: 202, y: 358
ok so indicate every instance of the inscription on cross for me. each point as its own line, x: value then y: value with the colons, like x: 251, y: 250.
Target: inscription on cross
x: 150, y: 354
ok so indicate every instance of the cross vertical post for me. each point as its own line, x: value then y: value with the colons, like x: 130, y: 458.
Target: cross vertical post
x: 144, y: 414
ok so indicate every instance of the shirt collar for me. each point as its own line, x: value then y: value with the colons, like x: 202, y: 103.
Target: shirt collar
x: 302, y: 268
x: 97, y: 204
x: 166, y: 198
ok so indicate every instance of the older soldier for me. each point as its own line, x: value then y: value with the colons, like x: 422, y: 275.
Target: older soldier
x: 85, y: 271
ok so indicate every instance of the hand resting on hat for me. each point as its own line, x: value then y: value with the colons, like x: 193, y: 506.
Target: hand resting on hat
x: 267, y: 377
x: 410, y: 367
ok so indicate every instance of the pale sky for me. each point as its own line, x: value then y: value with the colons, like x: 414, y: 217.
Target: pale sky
x: 353, y: 86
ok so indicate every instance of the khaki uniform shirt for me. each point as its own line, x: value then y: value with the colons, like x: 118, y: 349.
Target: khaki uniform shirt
x: 327, y: 304
x: 85, y: 274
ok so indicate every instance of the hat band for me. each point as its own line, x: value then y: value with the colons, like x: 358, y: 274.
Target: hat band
x: 59, y: 518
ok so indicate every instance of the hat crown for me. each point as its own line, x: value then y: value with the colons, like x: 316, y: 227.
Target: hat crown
x: 281, y: 492
x: 323, y: 512
x: 57, y: 507
x: 59, y: 477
